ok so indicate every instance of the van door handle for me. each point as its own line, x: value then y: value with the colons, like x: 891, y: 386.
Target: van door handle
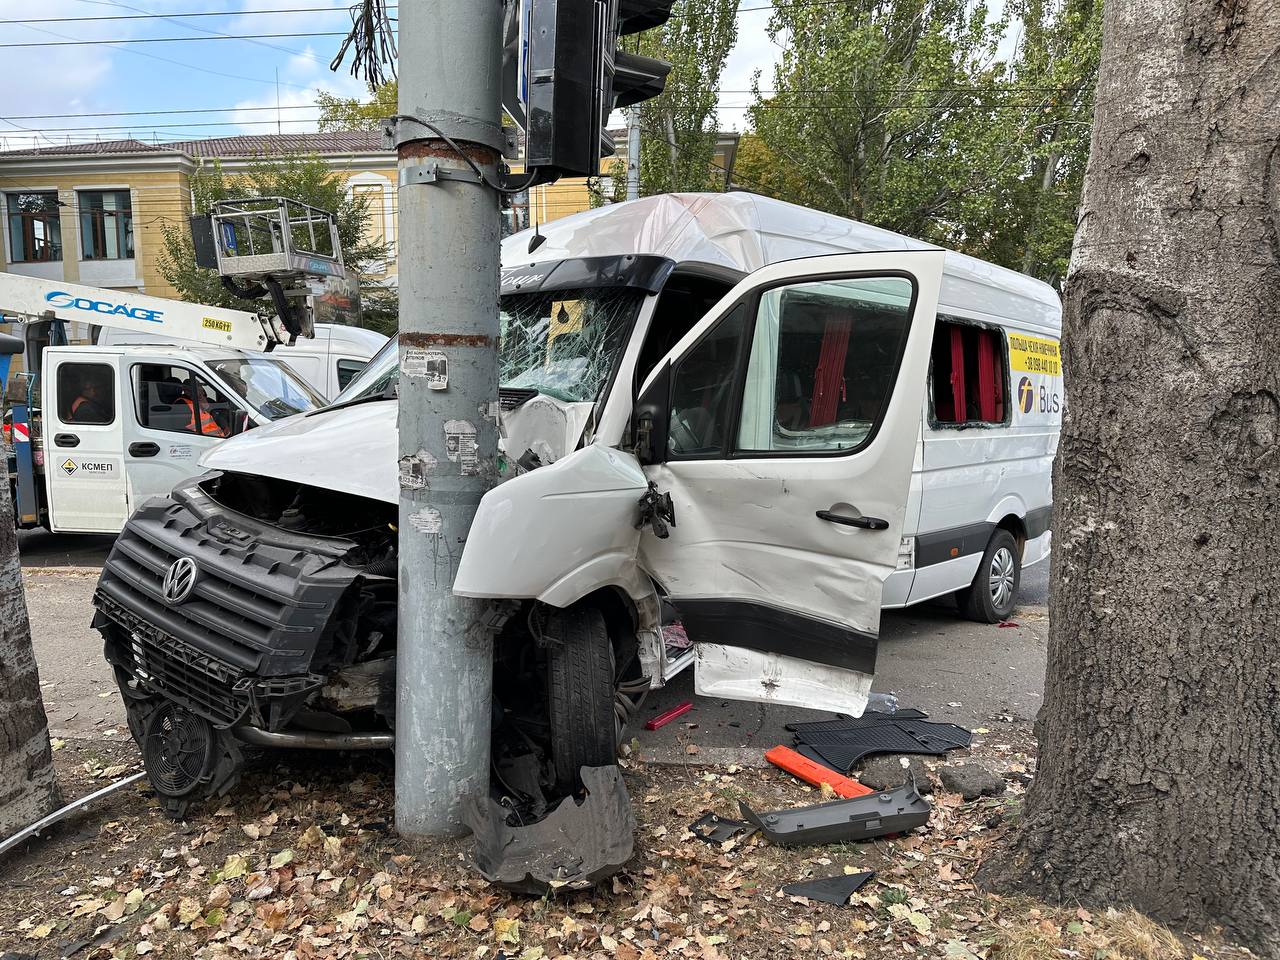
x: 144, y: 448
x: 66, y: 440
x: 867, y: 523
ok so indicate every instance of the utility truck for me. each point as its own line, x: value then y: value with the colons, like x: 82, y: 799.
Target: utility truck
x: 100, y: 429
x: 732, y: 429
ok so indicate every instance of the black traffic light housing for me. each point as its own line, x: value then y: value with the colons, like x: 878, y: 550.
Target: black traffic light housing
x: 576, y: 76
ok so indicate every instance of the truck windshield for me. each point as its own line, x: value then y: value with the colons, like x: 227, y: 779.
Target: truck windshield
x: 565, y: 344
x: 267, y: 385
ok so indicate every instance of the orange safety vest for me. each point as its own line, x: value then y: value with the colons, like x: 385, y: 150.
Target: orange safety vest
x: 208, y: 425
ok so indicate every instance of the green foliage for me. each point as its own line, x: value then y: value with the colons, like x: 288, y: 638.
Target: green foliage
x: 341, y: 113
x: 308, y: 179
x: 679, y: 128
x: 899, y: 113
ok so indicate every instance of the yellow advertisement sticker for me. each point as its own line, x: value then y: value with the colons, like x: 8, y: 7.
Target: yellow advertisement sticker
x: 566, y: 318
x: 1035, y: 355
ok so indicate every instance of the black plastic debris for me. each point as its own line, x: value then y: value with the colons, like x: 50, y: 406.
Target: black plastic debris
x: 840, y: 744
x: 844, y: 821
x: 714, y: 828
x: 835, y: 890
x: 573, y: 847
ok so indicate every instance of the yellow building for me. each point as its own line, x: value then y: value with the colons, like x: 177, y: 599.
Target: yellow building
x: 93, y: 213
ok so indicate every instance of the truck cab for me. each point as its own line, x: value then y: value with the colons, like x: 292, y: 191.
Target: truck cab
x: 121, y: 424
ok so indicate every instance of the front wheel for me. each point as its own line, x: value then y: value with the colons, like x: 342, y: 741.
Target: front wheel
x: 994, y: 591
x: 580, y: 693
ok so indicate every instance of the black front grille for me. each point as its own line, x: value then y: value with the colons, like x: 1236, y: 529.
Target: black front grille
x: 263, y: 604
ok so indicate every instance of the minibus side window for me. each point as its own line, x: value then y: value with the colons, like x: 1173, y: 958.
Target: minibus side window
x: 968, y: 375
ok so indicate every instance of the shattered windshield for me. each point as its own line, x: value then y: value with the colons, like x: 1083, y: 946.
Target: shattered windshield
x: 564, y: 344
x: 269, y: 386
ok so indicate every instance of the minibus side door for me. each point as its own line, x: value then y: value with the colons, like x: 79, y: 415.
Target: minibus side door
x: 783, y: 428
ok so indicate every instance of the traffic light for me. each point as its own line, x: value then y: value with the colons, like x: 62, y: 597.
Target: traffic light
x: 564, y: 75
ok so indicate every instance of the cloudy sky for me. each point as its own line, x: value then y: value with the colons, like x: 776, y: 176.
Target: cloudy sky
x: 52, y: 88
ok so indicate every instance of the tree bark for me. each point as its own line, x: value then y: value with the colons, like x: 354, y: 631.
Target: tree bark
x: 1159, y: 772
x: 28, y: 790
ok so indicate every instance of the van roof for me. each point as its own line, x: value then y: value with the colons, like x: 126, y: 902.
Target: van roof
x: 157, y: 350
x: 744, y: 231
x: 328, y: 336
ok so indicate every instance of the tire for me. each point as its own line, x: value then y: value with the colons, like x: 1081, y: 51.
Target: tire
x: 580, y: 694
x: 993, y: 595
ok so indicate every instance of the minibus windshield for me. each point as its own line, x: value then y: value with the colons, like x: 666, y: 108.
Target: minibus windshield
x: 565, y: 344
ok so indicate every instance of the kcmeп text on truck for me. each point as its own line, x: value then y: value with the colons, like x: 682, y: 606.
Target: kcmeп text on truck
x: 732, y: 430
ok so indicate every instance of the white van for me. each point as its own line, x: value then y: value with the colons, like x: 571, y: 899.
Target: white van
x: 327, y: 362
x: 715, y: 409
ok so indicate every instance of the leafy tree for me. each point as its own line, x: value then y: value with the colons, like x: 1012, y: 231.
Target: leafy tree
x: 884, y: 109
x: 899, y: 113
x: 341, y: 113
x: 679, y: 128
x: 308, y: 179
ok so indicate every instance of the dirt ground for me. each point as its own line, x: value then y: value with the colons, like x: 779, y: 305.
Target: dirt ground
x: 301, y: 861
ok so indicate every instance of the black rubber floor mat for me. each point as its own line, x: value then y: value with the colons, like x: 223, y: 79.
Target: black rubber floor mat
x: 841, y: 748
x: 868, y: 719
x: 836, y: 890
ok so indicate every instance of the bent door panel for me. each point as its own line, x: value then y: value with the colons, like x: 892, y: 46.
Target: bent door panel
x: 795, y: 416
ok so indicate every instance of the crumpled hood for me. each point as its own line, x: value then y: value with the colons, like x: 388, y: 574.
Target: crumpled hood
x: 351, y: 451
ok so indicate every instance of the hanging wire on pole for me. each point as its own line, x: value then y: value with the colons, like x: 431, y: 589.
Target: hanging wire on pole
x: 374, y: 41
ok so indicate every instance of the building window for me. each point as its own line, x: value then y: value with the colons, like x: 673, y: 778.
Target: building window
x: 35, y: 227
x: 106, y: 225
x: 372, y: 195
x: 968, y: 374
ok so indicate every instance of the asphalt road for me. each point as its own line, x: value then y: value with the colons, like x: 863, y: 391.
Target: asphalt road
x: 966, y: 673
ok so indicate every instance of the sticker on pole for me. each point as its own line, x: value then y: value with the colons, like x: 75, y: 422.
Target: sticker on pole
x: 431, y: 365
x: 460, y: 446
x: 21, y: 433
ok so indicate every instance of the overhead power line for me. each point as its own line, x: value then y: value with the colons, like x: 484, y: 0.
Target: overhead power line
x: 220, y: 36
x: 183, y: 16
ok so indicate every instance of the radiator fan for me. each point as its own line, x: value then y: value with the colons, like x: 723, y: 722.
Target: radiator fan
x: 179, y: 750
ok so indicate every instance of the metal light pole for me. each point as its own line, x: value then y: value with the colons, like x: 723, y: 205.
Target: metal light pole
x: 449, y: 75
x: 633, y: 153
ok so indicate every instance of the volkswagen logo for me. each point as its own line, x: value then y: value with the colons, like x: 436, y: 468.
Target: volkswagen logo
x: 179, y: 579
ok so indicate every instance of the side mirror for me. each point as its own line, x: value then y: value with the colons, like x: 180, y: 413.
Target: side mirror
x: 651, y: 418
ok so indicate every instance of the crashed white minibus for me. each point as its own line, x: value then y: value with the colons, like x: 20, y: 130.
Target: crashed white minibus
x: 732, y: 430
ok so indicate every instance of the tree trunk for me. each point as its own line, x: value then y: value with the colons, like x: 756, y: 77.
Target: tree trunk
x: 28, y: 790
x: 1159, y: 772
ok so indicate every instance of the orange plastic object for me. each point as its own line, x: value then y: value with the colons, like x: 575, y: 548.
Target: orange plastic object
x: 815, y: 773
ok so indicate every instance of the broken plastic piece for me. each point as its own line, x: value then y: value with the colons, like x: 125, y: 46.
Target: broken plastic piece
x: 714, y: 828
x: 62, y: 812
x: 573, y: 847
x: 836, y: 890
x: 814, y: 773
x: 662, y: 719
x: 843, y: 821
x: 842, y: 743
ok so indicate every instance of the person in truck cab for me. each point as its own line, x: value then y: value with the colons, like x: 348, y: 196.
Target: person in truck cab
x: 201, y: 420
x: 90, y: 405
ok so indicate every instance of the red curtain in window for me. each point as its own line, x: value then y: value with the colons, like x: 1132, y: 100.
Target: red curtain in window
x: 957, y: 376
x: 828, y: 378
x: 988, y: 381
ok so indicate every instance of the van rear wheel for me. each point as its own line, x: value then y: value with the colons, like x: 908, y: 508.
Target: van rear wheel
x: 993, y: 594
x: 580, y: 693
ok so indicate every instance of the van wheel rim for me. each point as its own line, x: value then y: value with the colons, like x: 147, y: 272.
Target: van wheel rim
x: 1000, y: 578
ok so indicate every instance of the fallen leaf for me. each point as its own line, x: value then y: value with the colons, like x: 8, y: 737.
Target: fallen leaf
x: 188, y: 909
x: 478, y: 923
x: 313, y: 836
x: 40, y: 932
x: 281, y: 859
x: 235, y: 867
x: 144, y: 947
x: 506, y: 930
x: 132, y: 901
x: 219, y: 896
x: 252, y: 831
x: 57, y: 744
